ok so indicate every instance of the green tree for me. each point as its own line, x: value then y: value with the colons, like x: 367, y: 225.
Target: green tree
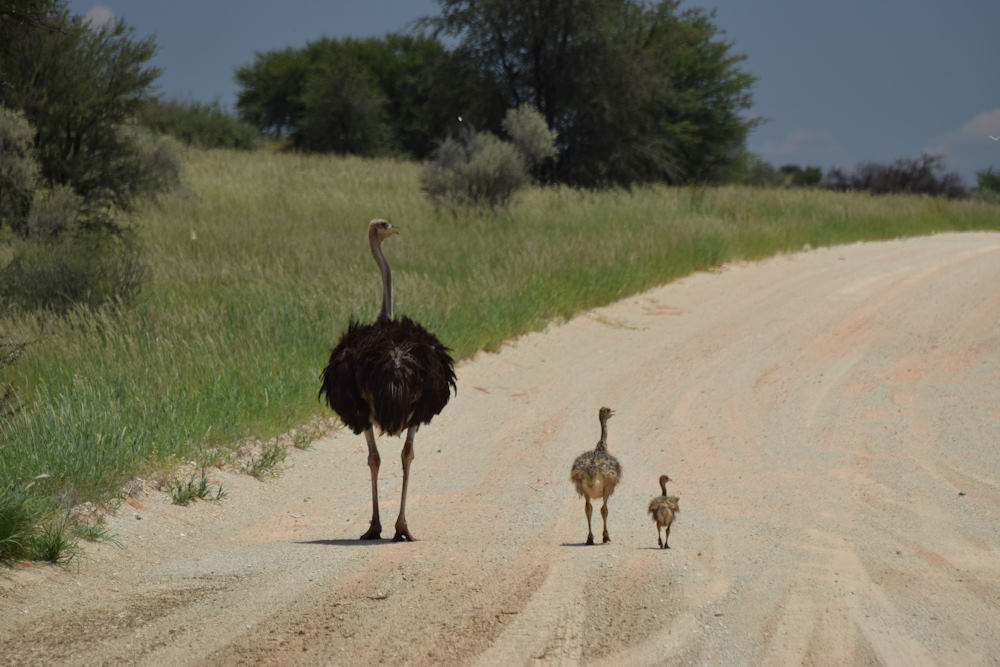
x: 410, y: 92
x: 636, y: 91
x: 79, y: 86
x: 270, y: 91
x: 343, y: 110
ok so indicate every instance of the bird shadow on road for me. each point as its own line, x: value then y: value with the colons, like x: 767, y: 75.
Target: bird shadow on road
x: 579, y: 544
x: 348, y: 542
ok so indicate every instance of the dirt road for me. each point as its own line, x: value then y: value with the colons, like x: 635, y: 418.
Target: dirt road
x: 832, y: 423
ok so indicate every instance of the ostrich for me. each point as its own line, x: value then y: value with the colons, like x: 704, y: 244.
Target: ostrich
x: 663, y: 508
x: 596, y: 473
x: 393, y: 374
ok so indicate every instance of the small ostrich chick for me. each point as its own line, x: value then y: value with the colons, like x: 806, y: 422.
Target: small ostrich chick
x: 596, y: 473
x: 664, y: 508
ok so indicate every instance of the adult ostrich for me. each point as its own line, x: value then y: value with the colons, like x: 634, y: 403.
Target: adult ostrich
x: 393, y: 374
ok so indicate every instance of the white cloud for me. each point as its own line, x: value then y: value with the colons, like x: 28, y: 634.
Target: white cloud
x: 99, y: 16
x: 976, y: 131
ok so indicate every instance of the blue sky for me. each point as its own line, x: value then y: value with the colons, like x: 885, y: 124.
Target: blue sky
x: 839, y: 82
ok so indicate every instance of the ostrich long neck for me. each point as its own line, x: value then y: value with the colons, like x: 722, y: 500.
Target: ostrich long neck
x: 663, y: 486
x: 383, y: 266
x: 602, y: 444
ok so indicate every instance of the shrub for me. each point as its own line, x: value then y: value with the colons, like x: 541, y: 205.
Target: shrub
x: 922, y: 175
x: 10, y: 350
x: 479, y: 169
x: 988, y: 181
x: 747, y: 168
x: 798, y: 177
x: 204, y: 125
x: 19, y: 169
x: 476, y: 169
x: 530, y: 135
x: 86, y: 266
x: 52, y: 213
x: 17, y: 524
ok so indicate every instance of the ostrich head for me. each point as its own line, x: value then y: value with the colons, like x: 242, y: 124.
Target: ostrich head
x: 663, y: 483
x: 604, y: 414
x: 379, y: 230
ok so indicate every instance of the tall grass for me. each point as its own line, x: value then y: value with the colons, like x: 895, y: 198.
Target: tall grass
x: 260, y: 259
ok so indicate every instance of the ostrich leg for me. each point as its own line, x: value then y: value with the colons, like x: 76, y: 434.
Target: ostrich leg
x: 588, y: 508
x: 375, y: 530
x: 402, y: 533
x: 604, y: 516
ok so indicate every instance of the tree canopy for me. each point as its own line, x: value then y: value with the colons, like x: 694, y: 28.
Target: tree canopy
x: 79, y: 86
x: 636, y: 91
x: 397, y: 94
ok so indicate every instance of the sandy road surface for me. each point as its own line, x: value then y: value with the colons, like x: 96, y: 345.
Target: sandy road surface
x: 832, y: 423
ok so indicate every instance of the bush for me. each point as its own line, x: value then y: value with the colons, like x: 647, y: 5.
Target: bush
x: 798, y: 177
x: 17, y: 524
x: 479, y: 169
x: 476, y: 169
x: 67, y: 249
x: 19, y: 169
x: 85, y: 266
x: 52, y: 213
x: 988, y: 181
x: 204, y: 125
x: 10, y: 350
x: 922, y: 175
x: 529, y: 133
x: 750, y: 169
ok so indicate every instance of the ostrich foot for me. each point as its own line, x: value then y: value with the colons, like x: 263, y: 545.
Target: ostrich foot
x: 403, y: 533
x: 590, y: 539
x: 374, y: 533
x: 403, y: 536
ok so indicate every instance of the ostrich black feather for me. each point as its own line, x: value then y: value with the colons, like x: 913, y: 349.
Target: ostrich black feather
x: 392, y: 374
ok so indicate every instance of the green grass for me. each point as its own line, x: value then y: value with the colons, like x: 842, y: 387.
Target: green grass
x: 194, y: 488
x: 260, y: 259
x: 268, y: 462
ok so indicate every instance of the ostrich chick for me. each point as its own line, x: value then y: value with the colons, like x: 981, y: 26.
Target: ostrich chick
x: 595, y: 474
x: 663, y: 509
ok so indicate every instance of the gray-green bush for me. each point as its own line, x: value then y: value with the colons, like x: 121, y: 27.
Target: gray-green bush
x: 19, y: 169
x: 529, y: 133
x: 475, y: 170
x: 478, y: 169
